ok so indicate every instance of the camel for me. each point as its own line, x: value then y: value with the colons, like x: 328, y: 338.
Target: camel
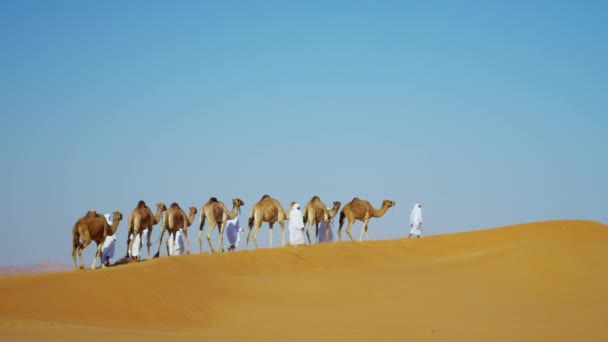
x: 268, y: 210
x: 92, y: 227
x: 175, y: 219
x: 361, y: 210
x: 217, y: 214
x: 140, y: 219
x: 318, y: 212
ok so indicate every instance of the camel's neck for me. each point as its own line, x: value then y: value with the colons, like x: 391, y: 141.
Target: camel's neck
x: 234, y: 212
x: 379, y: 212
x: 158, y: 215
x: 191, y: 218
x: 333, y: 212
x: 114, y: 227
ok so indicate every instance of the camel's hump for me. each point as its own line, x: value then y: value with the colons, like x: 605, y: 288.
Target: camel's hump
x: 212, y: 199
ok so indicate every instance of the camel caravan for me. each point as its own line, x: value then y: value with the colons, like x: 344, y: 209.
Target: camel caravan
x: 98, y: 228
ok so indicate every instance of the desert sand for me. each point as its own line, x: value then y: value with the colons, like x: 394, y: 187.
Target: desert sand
x: 545, y: 281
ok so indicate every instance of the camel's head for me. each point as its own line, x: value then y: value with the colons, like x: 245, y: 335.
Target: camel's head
x: 237, y: 202
x: 388, y: 203
x: 116, y: 216
x: 193, y: 211
x: 161, y: 207
x: 337, y: 205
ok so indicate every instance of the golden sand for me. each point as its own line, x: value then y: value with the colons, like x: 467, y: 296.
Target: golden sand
x: 544, y: 281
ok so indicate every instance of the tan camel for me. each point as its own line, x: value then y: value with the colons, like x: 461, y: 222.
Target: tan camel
x: 141, y: 218
x: 268, y: 210
x: 175, y: 219
x: 217, y: 214
x: 317, y: 210
x: 361, y: 210
x: 92, y: 227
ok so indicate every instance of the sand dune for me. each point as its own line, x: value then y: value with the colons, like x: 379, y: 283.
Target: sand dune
x: 544, y: 281
x: 47, y: 266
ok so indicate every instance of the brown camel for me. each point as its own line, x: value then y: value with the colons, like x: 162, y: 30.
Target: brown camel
x: 317, y: 210
x: 268, y: 210
x: 92, y: 227
x: 361, y: 210
x: 175, y: 219
x: 217, y: 214
x: 141, y: 218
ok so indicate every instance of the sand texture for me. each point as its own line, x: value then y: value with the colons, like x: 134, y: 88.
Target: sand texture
x: 545, y: 281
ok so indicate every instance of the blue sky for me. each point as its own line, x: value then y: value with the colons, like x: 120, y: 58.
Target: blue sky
x: 490, y: 113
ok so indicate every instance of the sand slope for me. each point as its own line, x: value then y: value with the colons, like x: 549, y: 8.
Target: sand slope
x: 544, y: 281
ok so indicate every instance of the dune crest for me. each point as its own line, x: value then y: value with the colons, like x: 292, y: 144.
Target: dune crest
x: 536, y: 281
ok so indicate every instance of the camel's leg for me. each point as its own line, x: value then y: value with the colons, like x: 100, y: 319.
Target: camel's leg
x: 200, y: 240
x: 248, y: 234
x: 340, y: 231
x: 270, y: 233
x: 168, y: 244
x: 74, y: 249
x: 149, y: 234
x: 255, y: 233
x: 86, y: 240
x: 185, y: 232
x: 308, y: 231
x: 97, y: 255
x: 363, y: 229
x: 211, y: 226
x: 350, y: 224
x: 160, y: 240
x: 84, y: 245
x: 282, y: 225
x: 221, y: 239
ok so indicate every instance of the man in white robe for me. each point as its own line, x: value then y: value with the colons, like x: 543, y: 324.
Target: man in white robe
x: 296, y: 226
x: 177, y: 247
x: 233, y: 232
x: 416, y: 221
x: 325, y: 231
x: 137, y: 244
x: 108, y: 248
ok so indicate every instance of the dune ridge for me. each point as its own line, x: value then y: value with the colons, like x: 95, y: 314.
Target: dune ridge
x: 542, y: 280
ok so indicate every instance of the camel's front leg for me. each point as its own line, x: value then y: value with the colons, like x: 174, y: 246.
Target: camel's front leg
x: 211, y: 226
x: 282, y: 225
x: 160, y: 240
x: 148, y: 232
x: 350, y: 224
x: 98, y: 254
x: 221, y: 239
x: 187, y: 241
x: 363, y: 229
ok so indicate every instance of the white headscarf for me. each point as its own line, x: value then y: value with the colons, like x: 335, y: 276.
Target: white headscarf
x: 416, y: 215
x: 108, y: 218
x: 296, y: 221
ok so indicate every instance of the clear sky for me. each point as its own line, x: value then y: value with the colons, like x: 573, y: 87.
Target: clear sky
x: 488, y: 112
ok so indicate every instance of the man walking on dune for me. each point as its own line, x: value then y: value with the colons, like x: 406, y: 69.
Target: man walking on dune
x: 416, y: 221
